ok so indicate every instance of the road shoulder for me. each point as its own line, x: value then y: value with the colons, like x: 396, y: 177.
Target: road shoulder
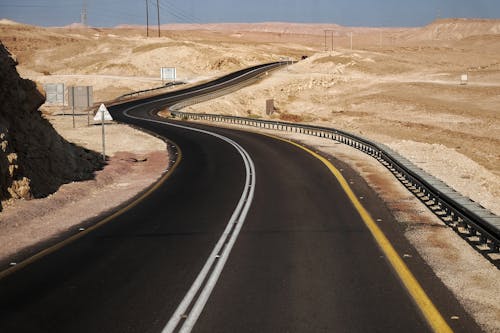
x: 136, y: 160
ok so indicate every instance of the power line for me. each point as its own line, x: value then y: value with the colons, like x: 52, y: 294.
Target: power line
x: 183, y: 12
x: 178, y: 13
x: 101, y: 10
x: 26, y: 6
x: 179, y: 17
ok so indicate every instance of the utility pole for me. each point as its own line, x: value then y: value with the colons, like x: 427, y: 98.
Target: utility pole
x: 83, y: 15
x: 326, y: 32
x: 147, y: 18
x: 325, y: 42
x: 158, y: 9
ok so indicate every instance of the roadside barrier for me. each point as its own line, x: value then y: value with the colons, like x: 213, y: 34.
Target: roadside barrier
x: 469, y: 219
x: 465, y: 216
x: 140, y: 92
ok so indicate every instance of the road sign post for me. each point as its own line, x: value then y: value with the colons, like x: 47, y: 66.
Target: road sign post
x: 80, y: 98
x: 73, y: 105
x: 269, y: 107
x: 89, y: 102
x: 54, y: 93
x: 102, y: 115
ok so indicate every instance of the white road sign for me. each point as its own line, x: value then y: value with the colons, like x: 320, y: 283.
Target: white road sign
x: 464, y: 78
x: 168, y: 73
x: 102, y: 110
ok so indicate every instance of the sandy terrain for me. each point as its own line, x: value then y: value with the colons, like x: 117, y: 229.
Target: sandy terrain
x: 396, y: 86
x: 118, y: 61
x: 399, y: 97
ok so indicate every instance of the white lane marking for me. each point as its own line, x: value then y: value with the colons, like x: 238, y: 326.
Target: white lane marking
x: 202, y: 89
x: 237, y: 219
x: 207, y: 290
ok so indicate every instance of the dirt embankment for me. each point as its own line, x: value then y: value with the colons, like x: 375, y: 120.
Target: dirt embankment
x: 34, y: 159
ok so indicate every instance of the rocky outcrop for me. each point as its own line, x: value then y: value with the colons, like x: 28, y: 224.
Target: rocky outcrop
x: 34, y: 159
x: 456, y: 29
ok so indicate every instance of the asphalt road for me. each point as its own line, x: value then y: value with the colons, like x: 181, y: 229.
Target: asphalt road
x: 304, y: 261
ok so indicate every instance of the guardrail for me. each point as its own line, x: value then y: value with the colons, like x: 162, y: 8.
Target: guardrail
x: 248, y: 79
x: 137, y: 93
x: 451, y: 207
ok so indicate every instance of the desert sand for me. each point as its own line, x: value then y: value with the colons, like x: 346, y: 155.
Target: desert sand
x: 408, y: 96
x: 398, y: 86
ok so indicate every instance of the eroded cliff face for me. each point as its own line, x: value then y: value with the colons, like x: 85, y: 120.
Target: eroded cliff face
x: 34, y: 159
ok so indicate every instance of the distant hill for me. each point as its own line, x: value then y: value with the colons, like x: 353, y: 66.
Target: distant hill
x: 455, y: 29
x: 8, y: 22
x: 447, y: 29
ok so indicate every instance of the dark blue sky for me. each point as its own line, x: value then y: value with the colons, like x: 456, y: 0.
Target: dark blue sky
x: 344, y: 12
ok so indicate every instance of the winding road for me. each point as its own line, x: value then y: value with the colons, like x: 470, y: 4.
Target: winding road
x: 245, y: 233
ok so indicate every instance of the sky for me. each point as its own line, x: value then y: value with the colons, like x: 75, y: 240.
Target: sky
x: 106, y: 13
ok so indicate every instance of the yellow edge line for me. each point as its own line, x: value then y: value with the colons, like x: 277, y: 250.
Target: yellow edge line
x: 428, y: 309
x: 73, y: 238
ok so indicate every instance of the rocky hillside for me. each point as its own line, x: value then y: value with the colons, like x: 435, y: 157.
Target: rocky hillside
x: 34, y: 159
x: 455, y: 29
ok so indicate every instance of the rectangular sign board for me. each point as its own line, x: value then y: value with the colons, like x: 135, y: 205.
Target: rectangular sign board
x: 464, y: 78
x: 168, y: 73
x: 54, y: 93
x: 80, y: 97
x: 269, y: 107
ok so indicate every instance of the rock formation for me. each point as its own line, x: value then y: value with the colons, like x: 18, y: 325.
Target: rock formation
x: 34, y: 159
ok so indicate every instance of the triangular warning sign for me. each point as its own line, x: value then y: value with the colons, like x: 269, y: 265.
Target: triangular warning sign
x: 102, y: 111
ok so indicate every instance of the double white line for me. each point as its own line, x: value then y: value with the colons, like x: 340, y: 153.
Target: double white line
x: 189, y: 310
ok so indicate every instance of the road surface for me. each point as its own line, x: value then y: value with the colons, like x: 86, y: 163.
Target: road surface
x: 295, y: 255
